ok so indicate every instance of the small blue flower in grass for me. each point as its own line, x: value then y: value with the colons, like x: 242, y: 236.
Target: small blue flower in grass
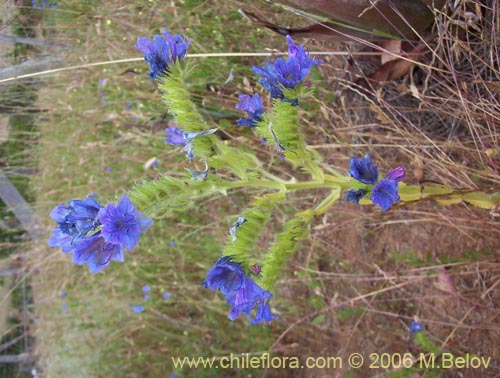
x: 286, y: 73
x: 385, y: 192
x: 166, y: 296
x: 146, y: 289
x: 416, y: 327
x: 63, y: 294
x: 138, y: 309
x: 171, y: 243
x: 226, y: 276
x: 162, y: 51
x: 64, y: 307
x: 363, y: 170
x: 123, y: 224
x: 253, y: 107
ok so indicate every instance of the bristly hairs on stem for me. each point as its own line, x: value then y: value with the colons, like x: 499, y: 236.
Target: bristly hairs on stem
x: 243, y: 249
x: 186, y: 115
x: 287, y: 242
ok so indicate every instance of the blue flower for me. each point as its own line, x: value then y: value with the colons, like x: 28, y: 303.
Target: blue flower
x: 123, y: 224
x: 416, y: 327
x: 225, y: 275
x: 74, y: 221
x: 162, y: 51
x: 166, y: 296
x: 263, y: 313
x: 175, y: 136
x: 241, y: 292
x: 355, y: 195
x: 63, y: 294
x: 246, y: 298
x: 385, y: 192
x: 253, y: 107
x: 64, y: 307
x: 286, y: 73
x: 43, y: 4
x: 363, y: 170
x: 138, y: 309
x: 97, y: 253
x: 146, y: 289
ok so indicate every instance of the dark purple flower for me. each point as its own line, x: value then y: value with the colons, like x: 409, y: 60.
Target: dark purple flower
x: 253, y: 107
x: 286, y: 73
x: 385, y: 194
x: 97, y: 253
x: 226, y: 276
x: 162, y: 51
x: 363, y: 170
x: 123, y: 224
x: 355, y: 195
x: 256, y: 268
x: 175, y: 136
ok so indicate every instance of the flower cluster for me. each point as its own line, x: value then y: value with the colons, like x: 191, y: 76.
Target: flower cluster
x: 287, y: 73
x: 162, y: 51
x: 241, y: 292
x: 384, y: 193
x: 96, y: 234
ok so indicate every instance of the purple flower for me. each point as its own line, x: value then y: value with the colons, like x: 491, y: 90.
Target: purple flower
x: 385, y: 192
x: 171, y: 243
x: 253, y: 107
x: 226, y: 276
x: 146, y: 289
x: 64, y: 307
x: 398, y: 174
x: 175, y: 136
x: 74, y: 221
x: 162, y: 51
x: 363, y: 170
x: 166, y: 296
x: 286, y: 73
x: 355, y: 195
x: 63, y: 294
x: 138, y: 309
x: 416, y: 327
x: 97, y: 253
x: 123, y: 224
x: 246, y: 298
x: 263, y: 313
